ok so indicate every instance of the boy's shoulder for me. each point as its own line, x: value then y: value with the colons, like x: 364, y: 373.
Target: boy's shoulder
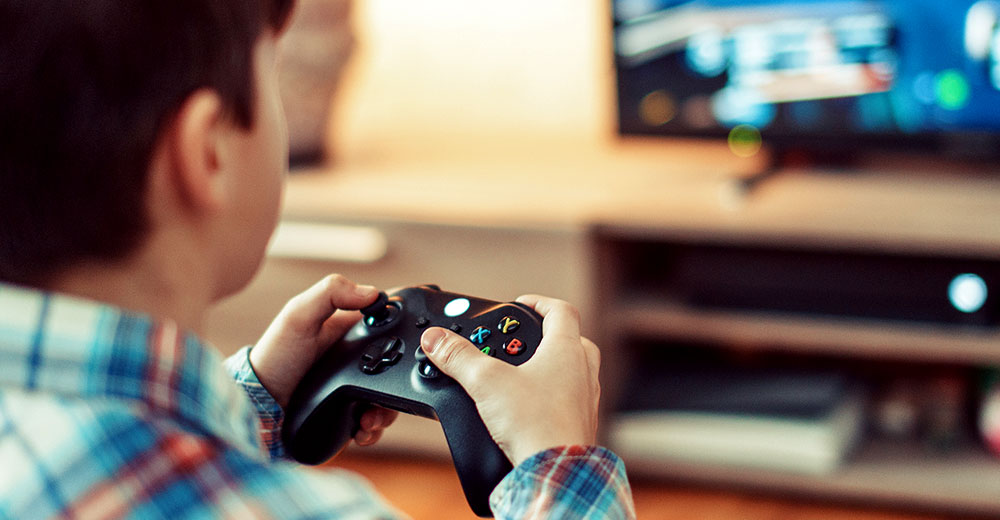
x: 91, y: 458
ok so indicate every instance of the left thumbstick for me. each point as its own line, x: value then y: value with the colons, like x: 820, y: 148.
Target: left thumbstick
x: 379, y: 308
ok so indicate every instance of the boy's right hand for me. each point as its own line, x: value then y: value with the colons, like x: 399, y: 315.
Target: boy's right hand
x: 551, y: 400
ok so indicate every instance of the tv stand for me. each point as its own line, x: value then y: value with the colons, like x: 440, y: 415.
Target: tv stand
x: 781, y: 161
x: 818, y: 269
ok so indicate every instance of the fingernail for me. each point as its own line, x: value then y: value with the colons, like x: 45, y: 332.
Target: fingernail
x: 364, y: 290
x: 431, y: 338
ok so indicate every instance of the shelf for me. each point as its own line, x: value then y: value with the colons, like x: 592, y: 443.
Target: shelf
x: 851, y: 270
x: 841, y: 336
x: 901, y: 475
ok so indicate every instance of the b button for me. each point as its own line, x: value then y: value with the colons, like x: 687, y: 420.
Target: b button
x: 514, y: 347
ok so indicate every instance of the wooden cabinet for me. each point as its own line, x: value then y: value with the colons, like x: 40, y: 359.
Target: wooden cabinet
x: 889, y: 231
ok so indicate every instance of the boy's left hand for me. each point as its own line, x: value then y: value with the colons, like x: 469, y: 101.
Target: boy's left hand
x: 307, y: 325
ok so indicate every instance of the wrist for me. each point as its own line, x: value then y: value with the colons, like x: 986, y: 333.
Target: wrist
x: 276, y: 382
x: 530, y: 447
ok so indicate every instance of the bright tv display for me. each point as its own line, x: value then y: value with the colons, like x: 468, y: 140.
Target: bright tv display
x: 811, y: 72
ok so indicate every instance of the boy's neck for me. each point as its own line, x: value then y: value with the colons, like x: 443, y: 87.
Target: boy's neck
x: 165, y: 287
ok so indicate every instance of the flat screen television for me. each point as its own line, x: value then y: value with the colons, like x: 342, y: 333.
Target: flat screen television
x: 826, y: 76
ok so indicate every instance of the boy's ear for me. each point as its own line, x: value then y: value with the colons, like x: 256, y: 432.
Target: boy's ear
x: 195, y: 150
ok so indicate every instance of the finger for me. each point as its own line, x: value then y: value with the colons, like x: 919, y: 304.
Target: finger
x: 365, y: 438
x: 377, y: 418
x: 317, y: 303
x: 558, y: 317
x: 336, y: 326
x: 388, y: 417
x: 460, y: 359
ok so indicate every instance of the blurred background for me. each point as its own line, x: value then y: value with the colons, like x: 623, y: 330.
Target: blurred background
x: 779, y: 220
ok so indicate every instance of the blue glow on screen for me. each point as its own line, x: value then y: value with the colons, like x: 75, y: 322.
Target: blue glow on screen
x: 821, y: 66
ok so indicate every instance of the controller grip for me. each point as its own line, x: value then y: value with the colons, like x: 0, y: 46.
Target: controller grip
x: 479, y: 462
x: 317, y: 436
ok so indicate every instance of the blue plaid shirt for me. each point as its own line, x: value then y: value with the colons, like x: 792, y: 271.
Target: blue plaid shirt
x: 109, y: 414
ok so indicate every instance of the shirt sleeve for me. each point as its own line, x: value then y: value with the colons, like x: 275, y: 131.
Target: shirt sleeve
x: 270, y: 413
x: 570, y: 482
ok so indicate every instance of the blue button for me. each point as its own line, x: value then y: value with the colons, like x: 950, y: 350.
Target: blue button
x: 457, y: 307
x: 480, y: 335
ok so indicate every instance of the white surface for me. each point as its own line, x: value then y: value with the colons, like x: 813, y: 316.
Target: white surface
x: 328, y: 242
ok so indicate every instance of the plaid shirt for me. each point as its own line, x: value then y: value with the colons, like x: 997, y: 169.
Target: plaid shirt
x: 108, y: 414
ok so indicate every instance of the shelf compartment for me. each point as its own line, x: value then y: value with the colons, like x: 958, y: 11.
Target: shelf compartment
x: 966, y: 481
x: 666, y: 319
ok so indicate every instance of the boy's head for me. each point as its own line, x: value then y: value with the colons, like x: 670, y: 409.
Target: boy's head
x: 88, y: 92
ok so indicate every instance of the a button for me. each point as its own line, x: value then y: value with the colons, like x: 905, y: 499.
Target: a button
x: 422, y: 322
x: 457, y: 307
x: 456, y: 328
x: 380, y: 356
x: 514, y: 347
x: 427, y: 370
x: 480, y: 335
x: 488, y: 350
x: 509, y: 325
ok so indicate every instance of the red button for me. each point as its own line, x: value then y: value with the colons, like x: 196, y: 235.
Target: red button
x: 514, y: 347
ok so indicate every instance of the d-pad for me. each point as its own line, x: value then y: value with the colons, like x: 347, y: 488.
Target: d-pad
x: 381, y: 355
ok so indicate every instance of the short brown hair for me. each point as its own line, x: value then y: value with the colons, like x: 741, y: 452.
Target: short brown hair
x: 86, y: 88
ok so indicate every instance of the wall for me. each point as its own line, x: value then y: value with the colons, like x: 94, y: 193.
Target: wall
x: 447, y: 75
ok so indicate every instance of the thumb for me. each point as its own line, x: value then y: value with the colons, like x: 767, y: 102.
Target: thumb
x: 459, y: 358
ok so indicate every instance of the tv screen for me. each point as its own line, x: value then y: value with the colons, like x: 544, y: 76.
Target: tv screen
x: 812, y: 73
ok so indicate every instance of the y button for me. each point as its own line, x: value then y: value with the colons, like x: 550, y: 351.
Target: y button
x: 509, y: 325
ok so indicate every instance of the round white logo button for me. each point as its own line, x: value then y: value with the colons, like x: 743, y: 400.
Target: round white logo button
x: 456, y: 307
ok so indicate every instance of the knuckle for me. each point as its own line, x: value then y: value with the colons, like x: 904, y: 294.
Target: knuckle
x: 593, y: 349
x: 335, y: 280
x: 568, y: 309
x: 294, y: 302
x: 293, y: 309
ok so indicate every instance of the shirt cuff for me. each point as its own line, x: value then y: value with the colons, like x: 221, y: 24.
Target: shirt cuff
x: 574, y: 482
x: 268, y: 411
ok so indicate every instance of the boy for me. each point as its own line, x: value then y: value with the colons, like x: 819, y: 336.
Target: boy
x: 142, y: 150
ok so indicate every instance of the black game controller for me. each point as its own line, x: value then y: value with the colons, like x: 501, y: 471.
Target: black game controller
x: 380, y: 362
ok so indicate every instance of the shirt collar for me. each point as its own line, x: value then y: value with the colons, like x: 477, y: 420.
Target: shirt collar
x: 76, y: 348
